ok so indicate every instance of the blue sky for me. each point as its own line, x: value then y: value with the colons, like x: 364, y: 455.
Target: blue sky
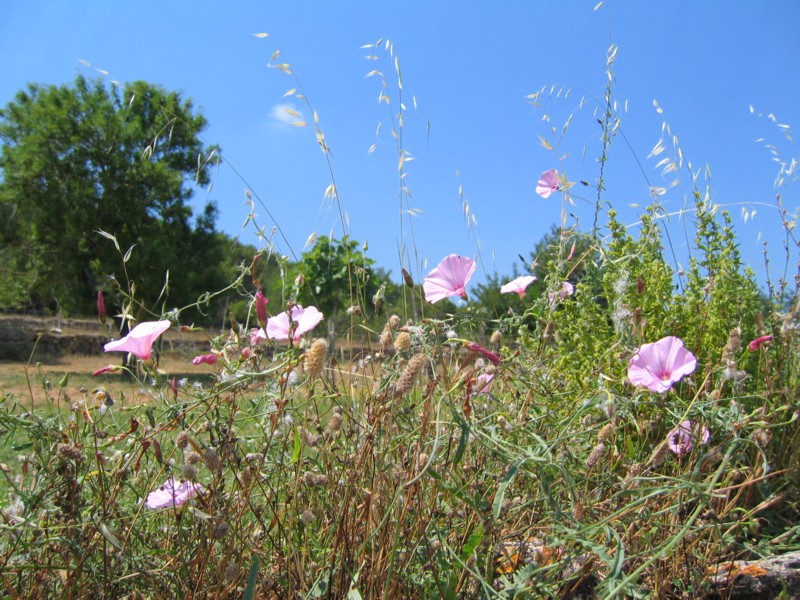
x: 469, y: 67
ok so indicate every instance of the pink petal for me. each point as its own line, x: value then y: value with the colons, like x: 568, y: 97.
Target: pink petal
x: 208, y: 359
x: 171, y: 495
x: 139, y: 341
x: 548, y: 183
x: 756, y: 343
x: 449, y: 278
x: 306, y: 318
x: 518, y: 285
x: 659, y: 365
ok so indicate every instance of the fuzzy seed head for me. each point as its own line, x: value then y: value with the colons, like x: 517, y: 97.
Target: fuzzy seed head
x: 211, y: 459
x: 189, y: 472
x: 596, y: 454
x: 182, y: 441
x: 497, y: 337
x: 409, y: 375
x: 402, y: 342
x: 315, y: 357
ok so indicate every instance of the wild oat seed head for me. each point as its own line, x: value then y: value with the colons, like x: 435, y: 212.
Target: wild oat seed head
x: 402, y: 342
x: 315, y: 357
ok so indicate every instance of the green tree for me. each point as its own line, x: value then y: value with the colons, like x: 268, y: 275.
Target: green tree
x: 338, y: 275
x: 81, y: 158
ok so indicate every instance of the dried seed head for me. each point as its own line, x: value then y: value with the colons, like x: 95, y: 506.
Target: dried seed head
x: 659, y: 454
x: 596, y: 454
x: 409, y: 375
x: 189, y: 472
x: 386, y: 338
x: 402, y: 342
x: 335, y: 423
x: 761, y: 437
x: 219, y: 530
x: 497, y: 337
x: 231, y: 571
x: 307, y: 516
x: 606, y: 431
x: 211, y: 459
x: 315, y: 357
x: 70, y: 452
x: 182, y: 441
x: 394, y: 322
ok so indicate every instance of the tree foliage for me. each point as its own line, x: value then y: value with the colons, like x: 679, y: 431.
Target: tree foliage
x: 82, y: 158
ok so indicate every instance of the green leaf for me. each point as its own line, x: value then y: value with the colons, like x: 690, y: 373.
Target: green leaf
x: 252, y: 580
x: 508, y: 478
x: 296, y: 451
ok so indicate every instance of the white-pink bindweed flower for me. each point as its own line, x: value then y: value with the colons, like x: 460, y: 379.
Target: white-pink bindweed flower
x: 659, y: 365
x: 139, y: 341
x: 567, y: 289
x: 303, y: 320
x: 449, y: 278
x: 172, y: 494
x: 548, y: 183
x: 518, y: 285
x: 681, y: 439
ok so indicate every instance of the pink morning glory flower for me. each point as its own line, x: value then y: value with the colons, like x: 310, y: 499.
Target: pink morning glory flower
x: 680, y: 439
x: 303, y: 320
x: 449, y: 278
x: 567, y: 289
x: 171, y: 494
x: 208, y: 359
x: 261, y: 308
x: 659, y: 365
x: 518, y: 285
x: 756, y: 343
x: 106, y: 369
x: 548, y: 183
x: 473, y: 347
x: 140, y: 340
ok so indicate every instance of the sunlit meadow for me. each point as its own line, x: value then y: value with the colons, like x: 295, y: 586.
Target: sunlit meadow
x: 630, y: 429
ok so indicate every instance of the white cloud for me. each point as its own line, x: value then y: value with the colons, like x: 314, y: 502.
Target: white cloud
x: 285, y: 114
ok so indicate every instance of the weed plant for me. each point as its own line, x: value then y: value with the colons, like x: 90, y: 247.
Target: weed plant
x: 419, y: 468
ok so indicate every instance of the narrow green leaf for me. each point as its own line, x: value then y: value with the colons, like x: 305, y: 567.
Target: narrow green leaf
x: 508, y: 478
x: 252, y: 580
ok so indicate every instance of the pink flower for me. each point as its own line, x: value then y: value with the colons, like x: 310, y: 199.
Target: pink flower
x: 101, y: 307
x: 245, y: 353
x: 257, y: 336
x: 518, y: 285
x: 140, y: 340
x: 567, y: 289
x: 171, y: 495
x: 208, y: 359
x: 755, y: 345
x: 473, y: 347
x: 657, y: 366
x: 261, y: 308
x: 680, y: 439
x: 303, y: 320
x: 485, y: 380
x: 106, y: 369
x: 548, y: 183
x: 449, y: 278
